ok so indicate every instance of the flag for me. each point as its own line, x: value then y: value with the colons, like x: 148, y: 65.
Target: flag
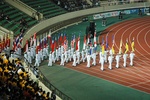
x: 65, y: 45
x: 49, y: 37
x: 27, y: 46
x: 3, y: 42
x: 120, y: 47
x: 113, y: 44
x: 88, y: 39
x: 14, y: 45
x: 106, y: 42
x: 132, y: 44
x: 73, y: 41
x: 64, y: 39
x: 45, y: 42
x: 61, y: 38
x: 84, y: 45
x: 126, y: 46
x: 53, y: 45
x: 55, y: 42
x: 95, y: 44
x: 78, y: 44
x: 8, y: 41
x: 31, y: 41
x: 34, y: 40
x: 103, y: 46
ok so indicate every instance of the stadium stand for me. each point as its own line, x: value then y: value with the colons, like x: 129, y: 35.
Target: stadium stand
x: 14, y: 19
x: 72, y: 5
x: 46, y: 7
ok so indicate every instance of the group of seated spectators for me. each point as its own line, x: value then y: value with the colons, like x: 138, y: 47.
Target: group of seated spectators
x: 72, y: 5
x: 16, y: 83
x: 3, y: 16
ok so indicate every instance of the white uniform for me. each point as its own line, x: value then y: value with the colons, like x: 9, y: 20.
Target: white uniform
x: 39, y: 58
x: 69, y: 54
x: 41, y: 54
x: 117, y: 60
x: 36, y: 61
x: 88, y: 60
x: 66, y: 57
x: 32, y: 55
x: 50, y: 60
x: 47, y: 51
x: 59, y: 52
x: 29, y: 57
x: 102, y: 62
x: 53, y: 57
x: 100, y: 54
x: 82, y: 58
x: 105, y: 56
x: 125, y: 60
x: 131, y: 58
x: 57, y: 55
x: 78, y: 57
x: 62, y: 59
x: 44, y: 53
x: 25, y: 56
x: 110, y: 58
x: 74, y: 59
x: 72, y: 52
x: 94, y: 58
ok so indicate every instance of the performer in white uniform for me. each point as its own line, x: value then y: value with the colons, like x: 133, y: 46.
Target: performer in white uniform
x: 74, y: 59
x: 125, y: 59
x: 117, y: 60
x: 88, y: 60
x: 36, y: 61
x: 94, y: 58
x: 78, y: 57
x: 50, y: 60
x: 110, y: 58
x: 131, y: 58
x: 102, y: 62
x: 62, y: 59
x: 82, y: 56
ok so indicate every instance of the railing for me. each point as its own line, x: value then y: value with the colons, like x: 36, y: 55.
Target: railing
x: 42, y: 78
x: 46, y: 82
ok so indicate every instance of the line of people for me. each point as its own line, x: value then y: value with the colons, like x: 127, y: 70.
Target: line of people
x: 88, y: 55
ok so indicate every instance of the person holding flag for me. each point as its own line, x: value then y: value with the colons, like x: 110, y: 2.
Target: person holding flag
x: 120, y: 47
x: 74, y: 59
x: 117, y: 60
x: 125, y: 59
x: 88, y: 60
x: 110, y: 60
x: 94, y: 57
x: 131, y: 58
x: 50, y: 59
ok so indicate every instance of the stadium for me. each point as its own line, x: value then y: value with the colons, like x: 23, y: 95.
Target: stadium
x: 74, y: 49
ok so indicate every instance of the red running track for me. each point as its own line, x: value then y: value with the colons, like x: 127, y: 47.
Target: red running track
x: 137, y: 77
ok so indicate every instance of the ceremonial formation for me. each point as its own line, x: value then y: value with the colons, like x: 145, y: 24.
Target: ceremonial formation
x: 60, y: 50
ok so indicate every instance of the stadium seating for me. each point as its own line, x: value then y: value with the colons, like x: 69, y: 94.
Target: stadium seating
x: 15, y: 16
x: 72, y: 5
x: 47, y: 8
x: 16, y: 84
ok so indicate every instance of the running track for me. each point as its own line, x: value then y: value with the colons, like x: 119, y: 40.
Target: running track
x: 138, y: 76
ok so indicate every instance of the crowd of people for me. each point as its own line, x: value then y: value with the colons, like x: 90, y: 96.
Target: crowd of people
x: 89, y: 55
x: 72, y: 5
x: 16, y: 83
